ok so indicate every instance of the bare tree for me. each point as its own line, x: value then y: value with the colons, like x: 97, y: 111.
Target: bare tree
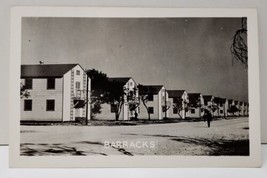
x: 178, y: 105
x: 24, y: 92
x: 144, y: 93
x: 239, y: 49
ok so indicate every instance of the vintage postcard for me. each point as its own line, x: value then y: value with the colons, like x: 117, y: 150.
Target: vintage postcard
x: 134, y: 87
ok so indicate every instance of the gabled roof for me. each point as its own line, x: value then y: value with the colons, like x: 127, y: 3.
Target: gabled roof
x: 230, y: 101
x: 236, y: 102
x: 119, y: 79
x: 150, y: 89
x: 175, y: 93
x: 193, y: 96
x: 207, y: 97
x: 217, y: 100
x: 45, y: 70
x: 223, y: 100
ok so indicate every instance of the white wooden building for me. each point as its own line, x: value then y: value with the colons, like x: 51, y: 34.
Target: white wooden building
x: 196, y: 105
x: 58, y: 92
x: 108, y: 111
x: 157, y: 102
x: 222, y: 107
x: 179, y: 101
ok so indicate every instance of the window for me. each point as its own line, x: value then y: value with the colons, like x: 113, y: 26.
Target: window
x: 131, y: 84
x: 151, y: 110
x: 221, y: 105
x: 175, y: 111
x: 27, y: 105
x: 28, y: 83
x: 150, y: 97
x: 50, y: 105
x: 51, y: 83
x: 78, y: 85
x: 193, y: 111
x: 221, y: 111
x: 78, y: 72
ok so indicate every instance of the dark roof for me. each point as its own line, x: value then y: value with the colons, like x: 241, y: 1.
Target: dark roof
x: 119, y: 79
x: 175, y: 93
x: 230, y: 101
x: 45, y: 70
x: 150, y: 89
x: 236, y: 102
x: 193, y: 96
x: 223, y: 100
x: 207, y: 97
x: 217, y: 100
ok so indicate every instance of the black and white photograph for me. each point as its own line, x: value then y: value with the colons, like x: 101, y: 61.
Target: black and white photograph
x: 132, y: 87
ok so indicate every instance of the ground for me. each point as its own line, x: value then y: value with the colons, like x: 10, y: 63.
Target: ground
x: 224, y: 137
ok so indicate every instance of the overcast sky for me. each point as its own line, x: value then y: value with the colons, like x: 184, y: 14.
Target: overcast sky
x: 180, y: 53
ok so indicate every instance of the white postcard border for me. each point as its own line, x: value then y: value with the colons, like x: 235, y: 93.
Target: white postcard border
x: 136, y: 161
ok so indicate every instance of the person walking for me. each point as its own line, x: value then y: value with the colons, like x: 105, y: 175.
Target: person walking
x: 207, y: 117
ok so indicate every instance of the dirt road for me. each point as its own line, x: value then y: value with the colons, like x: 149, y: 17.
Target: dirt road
x: 225, y: 137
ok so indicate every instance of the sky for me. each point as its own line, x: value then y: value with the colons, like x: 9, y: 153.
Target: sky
x: 179, y: 53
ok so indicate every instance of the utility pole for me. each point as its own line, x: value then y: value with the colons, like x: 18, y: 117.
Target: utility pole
x: 165, y: 103
x: 87, y: 100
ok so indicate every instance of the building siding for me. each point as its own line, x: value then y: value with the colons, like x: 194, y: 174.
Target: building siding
x: 62, y: 94
x: 39, y: 94
x: 155, y: 104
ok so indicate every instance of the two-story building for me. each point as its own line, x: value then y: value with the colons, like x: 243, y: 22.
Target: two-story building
x: 222, y: 106
x: 179, y: 102
x: 58, y: 92
x: 128, y: 108
x: 196, y: 105
x: 156, y: 102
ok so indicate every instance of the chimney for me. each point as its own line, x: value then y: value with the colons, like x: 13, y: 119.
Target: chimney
x: 41, y: 62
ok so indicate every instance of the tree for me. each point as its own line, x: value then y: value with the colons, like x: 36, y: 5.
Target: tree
x: 24, y: 93
x: 118, y: 95
x: 133, y: 101
x: 214, y: 107
x: 239, y: 49
x: 180, y: 105
x: 195, y: 102
x: 167, y: 104
x: 144, y: 94
x: 108, y: 91
x: 99, y: 90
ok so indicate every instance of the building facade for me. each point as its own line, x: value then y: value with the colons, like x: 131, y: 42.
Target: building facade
x: 196, y: 105
x: 58, y: 92
x: 157, y: 102
x: 128, y: 109
x: 179, y: 102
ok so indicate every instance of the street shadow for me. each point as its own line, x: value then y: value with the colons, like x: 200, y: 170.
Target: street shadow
x: 29, y: 149
x: 218, y: 147
x: 59, y: 149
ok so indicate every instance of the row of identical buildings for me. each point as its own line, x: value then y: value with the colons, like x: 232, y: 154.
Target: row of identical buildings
x: 61, y: 92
